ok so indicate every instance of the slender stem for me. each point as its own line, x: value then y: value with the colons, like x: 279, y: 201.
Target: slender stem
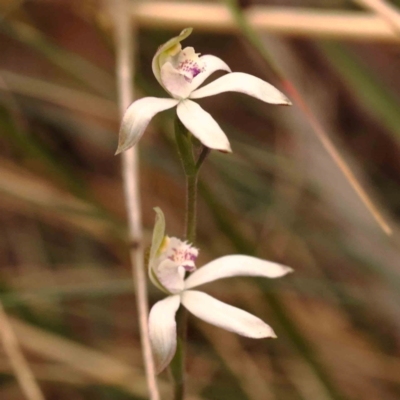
x: 130, y: 173
x: 178, y: 363
x: 191, y: 169
x: 191, y: 207
x: 182, y: 314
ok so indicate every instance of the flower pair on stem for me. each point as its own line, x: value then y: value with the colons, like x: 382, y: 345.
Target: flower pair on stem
x: 181, y: 72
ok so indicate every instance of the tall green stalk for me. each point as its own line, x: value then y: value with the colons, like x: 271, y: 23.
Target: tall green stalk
x: 191, y: 168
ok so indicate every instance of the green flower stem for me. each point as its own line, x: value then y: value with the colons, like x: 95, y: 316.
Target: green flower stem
x: 178, y: 362
x: 185, y: 148
x: 191, y: 169
x: 191, y: 208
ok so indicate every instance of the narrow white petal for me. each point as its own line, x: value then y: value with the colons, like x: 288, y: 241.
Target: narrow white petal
x: 137, y: 117
x: 202, y: 125
x: 212, y: 64
x: 225, y: 316
x: 243, y: 83
x: 162, y: 330
x: 235, y: 265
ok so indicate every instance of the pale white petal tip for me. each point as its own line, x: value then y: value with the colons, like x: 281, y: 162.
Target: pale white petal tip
x: 287, y: 270
x: 264, y: 331
x: 160, y: 367
x: 123, y: 142
x: 161, y: 361
x: 203, y: 126
x: 226, y: 150
x: 282, y: 100
x: 121, y: 148
x: 286, y: 102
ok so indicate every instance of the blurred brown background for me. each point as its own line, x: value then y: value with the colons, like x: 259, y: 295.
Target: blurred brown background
x: 64, y: 272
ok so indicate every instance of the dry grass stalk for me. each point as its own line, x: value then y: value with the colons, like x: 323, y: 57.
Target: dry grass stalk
x: 304, y: 380
x: 348, y: 173
x: 60, y: 95
x: 282, y: 55
x: 89, y: 362
x: 130, y: 172
x: 21, y: 368
x: 50, y: 373
x: 286, y: 21
x: 25, y: 193
x: 388, y: 12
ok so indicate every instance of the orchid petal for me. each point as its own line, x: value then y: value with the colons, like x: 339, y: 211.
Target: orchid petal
x: 243, y: 83
x: 212, y: 64
x: 170, y: 275
x: 202, y: 125
x: 174, y: 82
x: 178, y: 72
x: 225, y: 316
x: 137, y: 117
x: 235, y: 265
x: 162, y: 330
x: 169, y: 48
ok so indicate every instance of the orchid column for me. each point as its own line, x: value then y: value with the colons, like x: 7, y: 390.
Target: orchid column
x: 181, y: 72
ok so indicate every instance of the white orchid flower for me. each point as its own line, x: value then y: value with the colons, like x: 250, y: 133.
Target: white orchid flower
x: 169, y: 259
x: 180, y: 72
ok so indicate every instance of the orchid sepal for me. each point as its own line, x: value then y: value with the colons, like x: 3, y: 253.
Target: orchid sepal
x: 225, y: 316
x: 243, y: 83
x: 137, y: 117
x: 162, y: 330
